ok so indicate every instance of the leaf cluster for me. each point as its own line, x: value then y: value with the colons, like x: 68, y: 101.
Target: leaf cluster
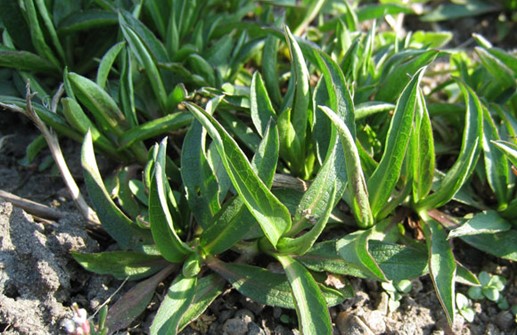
x: 251, y: 133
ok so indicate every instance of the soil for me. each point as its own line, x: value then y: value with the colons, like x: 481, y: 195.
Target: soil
x: 39, y: 281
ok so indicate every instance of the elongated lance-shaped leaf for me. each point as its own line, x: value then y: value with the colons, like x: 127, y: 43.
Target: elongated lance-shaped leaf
x: 49, y: 25
x: 145, y: 58
x: 301, y: 108
x: 422, y: 157
x: 260, y: 104
x: 175, y: 304
x: 442, y: 265
x: 318, y: 195
x: 107, y: 63
x: 234, y: 220
x: 127, y: 234
x: 496, y: 163
x: 353, y: 248
x: 99, y: 103
x: 301, y: 244
x: 267, y: 287
x: 171, y: 247
x: 509, y: 148
x: 200, y: 181
x: 270, y: 52
x: 469, y: 153
x: 206, y: 291
x: 356, y: 181
x: 385, y: 177
x: 313, y: 315
x: 37, y: 35
x: 271, y: 214
x: 25, y: 61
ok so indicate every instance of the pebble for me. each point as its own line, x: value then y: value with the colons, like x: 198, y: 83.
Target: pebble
x: 235, y: 326
x: 504, y: 320
x: 254, y: 329
x: 375, y: 321
x: 349, y: 324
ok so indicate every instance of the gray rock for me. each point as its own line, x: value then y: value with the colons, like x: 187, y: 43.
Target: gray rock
x: 254, y: 329
x: 235, y: 326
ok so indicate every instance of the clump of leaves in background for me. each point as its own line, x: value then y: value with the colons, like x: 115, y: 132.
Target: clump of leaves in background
x: 262, y: 131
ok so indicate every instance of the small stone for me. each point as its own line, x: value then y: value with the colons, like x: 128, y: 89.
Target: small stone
x: 349, y: 324
x: 504, y: 320
x: 225, y: 315
x: 375, y: 321
x: 253, y: 306
x: 245, y: 315
x: 254, y: 329
x: 235, y: 326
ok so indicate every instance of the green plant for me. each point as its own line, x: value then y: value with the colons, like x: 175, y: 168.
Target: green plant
x: 464, y: 306
x: 395, y: 292
x: 491, y: 288
x: 262, y: 134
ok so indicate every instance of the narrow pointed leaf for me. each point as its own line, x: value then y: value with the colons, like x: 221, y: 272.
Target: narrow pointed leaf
x: 422, y: 156
x: 486, y: 222
x: 442, y: 266
x: 171, y: 247
x: 353, y: 248
x: 121, y: 264
x: 499, y: 244
x: 301, y: 244
x: 175, y: 304
x: 510, y: 150
x: 25, y: 61
x: 117, y: 224
x: 271, y: 214
x: 99, y: 103
x: 383, y: 180
x: 134, y: 302
x: 356, y: 180
x: 313, y: 315
x: 466, y: 161
x: 260, y: 104
x: 496, y: 163
x: 107, y: 62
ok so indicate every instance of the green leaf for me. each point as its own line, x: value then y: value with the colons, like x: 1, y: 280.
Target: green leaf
x: 509, y: 149
x: 171, y: 247
x: 400, y: 69
x: 261, y: 108
x: 313, y: 315
x: 399, y: 262
x: 496, y: 163
x: 372, y: 12
x: 114, y: 221
x: 37, y: 35
x: 269, y: 69
x: 445, y: 12
x: 368, y: 108
x: 206, y: 291
x: 200, y: 181
x: 76, y: 118
x: 48, y: 21
x: 25, y: 61
x: 102, y: 106
x: 134, y: 302
x: 356, y: 180
x: 385, y: 177
x: 487, y: 222
x: 121, y: 264
x: 175, y: 304
x: 271, y: 214
x: 87, y: 19
x: 145, y: 58
x: 301, y: 106
x: 501, y: 245
x: 266, y: 287
x: 14, y: 22
x: 422, y: 155
x: 469, y: 152
x: 301, y: 244
x: 353, y: 248
x: 155, y: 128
x: 107, y: 62
x: 442, y: 265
